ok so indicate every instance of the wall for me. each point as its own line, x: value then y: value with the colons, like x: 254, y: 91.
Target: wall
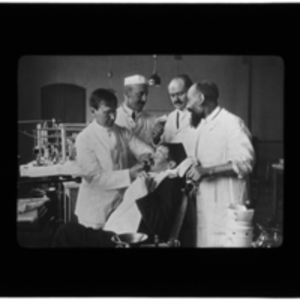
x: 231, y: 74
x: 267, y: 95
x: 91, y: 72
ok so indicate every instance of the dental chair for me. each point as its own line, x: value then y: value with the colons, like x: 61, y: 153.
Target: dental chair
x: 187, y: 202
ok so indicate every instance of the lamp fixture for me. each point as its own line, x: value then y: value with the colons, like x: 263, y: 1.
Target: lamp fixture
x: 154, y: 80
x: 110, y: 73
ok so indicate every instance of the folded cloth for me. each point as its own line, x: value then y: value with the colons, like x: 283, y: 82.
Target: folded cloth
x: 25, y: 205
x: 38, y: 171
x: 184, y: 166
x: 28, y: 216
x: 67, y: 168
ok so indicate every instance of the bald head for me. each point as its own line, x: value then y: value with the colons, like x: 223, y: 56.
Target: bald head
x: 208, y: 89
x: 178, y: 88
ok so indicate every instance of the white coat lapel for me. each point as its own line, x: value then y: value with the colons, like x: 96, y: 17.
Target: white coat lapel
x: 99, y: 137
x: 121, y: 148
x: 197, y: 137
x: 184, y: 125
x: 186, y: 117
x: 212, y: 123
x: 104, y: 151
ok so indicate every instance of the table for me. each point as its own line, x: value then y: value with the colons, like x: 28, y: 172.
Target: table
x: 68, y: 168
x: 277, y: 170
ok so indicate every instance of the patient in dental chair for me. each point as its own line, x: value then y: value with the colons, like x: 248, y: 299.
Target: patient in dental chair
x: 150, y: 205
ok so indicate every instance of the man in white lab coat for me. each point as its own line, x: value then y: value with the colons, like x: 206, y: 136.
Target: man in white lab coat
x: 224, y: 156
x: 102, y: 149
x: 130, y: 114
x: 177, y: 128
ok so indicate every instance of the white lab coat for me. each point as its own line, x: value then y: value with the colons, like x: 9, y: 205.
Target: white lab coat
x: 185, y: 134
x: 105, y: 173
x: 141, y: 127
x: 221, y: 138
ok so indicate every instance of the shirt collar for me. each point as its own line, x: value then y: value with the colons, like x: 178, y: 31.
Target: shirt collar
x: 159, y: 177
x: 102, y: 128
x: 129, y: 111
x: 213, y: 114
x: 182, y: 112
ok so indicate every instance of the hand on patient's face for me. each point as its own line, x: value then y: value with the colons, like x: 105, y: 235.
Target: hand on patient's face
x: 147, y: 160
x: 135, y: 170
x: 145, y: 157
x: 157, y: 131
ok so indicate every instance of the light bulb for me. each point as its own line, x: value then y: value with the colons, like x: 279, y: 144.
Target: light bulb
x: 110, y: 74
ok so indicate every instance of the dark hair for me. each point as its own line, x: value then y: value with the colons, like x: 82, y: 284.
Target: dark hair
x: 102, y: 95
x: 209, y: 89
x: 186, y: 79
x: 176, y: 152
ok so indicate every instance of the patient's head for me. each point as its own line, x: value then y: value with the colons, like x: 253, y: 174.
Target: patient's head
x: 168, y: 156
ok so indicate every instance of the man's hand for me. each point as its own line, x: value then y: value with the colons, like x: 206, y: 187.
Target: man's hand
x: 197, y: 173
x: 157, y: 132
x: 135, y: 170
x: 146, y: 159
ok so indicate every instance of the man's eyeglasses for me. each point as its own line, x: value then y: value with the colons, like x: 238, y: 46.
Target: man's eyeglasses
x: 177, y: 94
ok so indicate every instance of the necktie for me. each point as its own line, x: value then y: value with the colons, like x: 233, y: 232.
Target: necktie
x: 133, y: 116
x: 177, y: 121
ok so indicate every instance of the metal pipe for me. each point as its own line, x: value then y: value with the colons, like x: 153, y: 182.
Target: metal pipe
x: 38, y: 128
x: 63, y: 142
x: 32, y: 121
x: 75, y: 124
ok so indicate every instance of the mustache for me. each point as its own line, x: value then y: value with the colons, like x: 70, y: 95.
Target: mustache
x: 178, y: 102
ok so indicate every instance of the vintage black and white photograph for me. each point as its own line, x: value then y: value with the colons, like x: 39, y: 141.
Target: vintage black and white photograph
x: 150, y: 151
